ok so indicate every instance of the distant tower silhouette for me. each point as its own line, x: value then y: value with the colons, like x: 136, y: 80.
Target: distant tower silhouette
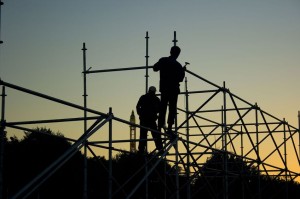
x: 132, y: 133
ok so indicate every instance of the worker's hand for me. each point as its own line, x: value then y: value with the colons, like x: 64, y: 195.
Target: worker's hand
x: 186, y: 63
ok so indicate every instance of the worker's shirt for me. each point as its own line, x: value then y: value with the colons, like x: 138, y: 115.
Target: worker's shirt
x: 148, y: 107
x: 171, y: 74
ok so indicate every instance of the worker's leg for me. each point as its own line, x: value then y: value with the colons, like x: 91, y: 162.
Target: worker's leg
x: 173, y: 97
x: 143, y: 138
x: 162, y: 111
x: 156, y: 136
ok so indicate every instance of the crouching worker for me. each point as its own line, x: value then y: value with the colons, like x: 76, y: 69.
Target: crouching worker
x: 147, y: 108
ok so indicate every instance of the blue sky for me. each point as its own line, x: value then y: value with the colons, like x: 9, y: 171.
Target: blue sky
x: 253, y: 46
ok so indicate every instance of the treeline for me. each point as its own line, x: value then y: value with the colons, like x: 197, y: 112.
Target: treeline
x: 27, y: 157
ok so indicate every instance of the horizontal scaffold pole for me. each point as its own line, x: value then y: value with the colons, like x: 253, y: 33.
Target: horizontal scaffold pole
x: 51, y: 121
x: 117, y: 69
x: 25, y: 90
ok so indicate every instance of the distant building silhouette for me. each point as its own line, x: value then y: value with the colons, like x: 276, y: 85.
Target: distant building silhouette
x: 132, y: 133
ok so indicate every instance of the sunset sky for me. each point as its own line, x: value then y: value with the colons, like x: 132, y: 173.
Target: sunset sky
x: 254, y: 46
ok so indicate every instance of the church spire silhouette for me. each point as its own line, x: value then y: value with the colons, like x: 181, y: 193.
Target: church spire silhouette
x: 132, y: 133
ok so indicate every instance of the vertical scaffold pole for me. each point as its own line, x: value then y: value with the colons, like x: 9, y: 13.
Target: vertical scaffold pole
x: 1, y: 4
x: 187, y: 138
x: 147, y: 60
x: 176, y: 161
x: 176, y: 145
x: 299, y: 131
x: 242, y: 155
x: 2, y: 127
x: 110, y: 157
x: 2, y: 141
x: 175, y: 40
x: 242, y: 143
x: 84, y: 86
x: 146, y: 180
x: 222, y: 143
x: 147, y: 76
x: 84, y: 122
x: 225, y: 179
x: 285, y: 159
x: 257, y: 149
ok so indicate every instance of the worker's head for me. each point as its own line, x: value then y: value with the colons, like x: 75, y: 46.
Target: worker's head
x: 152, y: 89
x: 175, y: 51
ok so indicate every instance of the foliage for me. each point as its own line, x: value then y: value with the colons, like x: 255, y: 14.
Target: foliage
x: 26, y: 158
x: 244, y: 180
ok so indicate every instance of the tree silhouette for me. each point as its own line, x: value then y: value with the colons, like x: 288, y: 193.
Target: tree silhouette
x: 25, y: 158
x: 244, y: 180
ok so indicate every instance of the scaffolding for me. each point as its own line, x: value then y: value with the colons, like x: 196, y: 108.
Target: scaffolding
x: 221, y: 122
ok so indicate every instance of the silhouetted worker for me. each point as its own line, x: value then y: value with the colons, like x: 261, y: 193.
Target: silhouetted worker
x: 147, y: 108
x: 171, y: 74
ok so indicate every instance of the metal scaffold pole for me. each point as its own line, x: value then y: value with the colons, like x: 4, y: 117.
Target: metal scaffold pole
x: 84, y: 86
x: 257, y: 149
x: 242, y: 155
x: 177, y: 169
x: 2, y: 127
x: 147, y: 59
x: 225, y: 132
x: 175, y: 40
x: 84, y: 123
x: 176, y: 145
x: 285, y: 159
x: 299, y: 133
x: 110, y: 157
x: 1, y: 4
x: 147, y: 77
x: 187, y: 138
x: 2, y: 141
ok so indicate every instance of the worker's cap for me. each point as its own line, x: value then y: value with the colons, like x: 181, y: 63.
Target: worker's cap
x: 152, y: 89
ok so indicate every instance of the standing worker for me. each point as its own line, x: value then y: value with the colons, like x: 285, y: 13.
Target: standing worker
x: 171, y: 74
x: 147, y: 108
